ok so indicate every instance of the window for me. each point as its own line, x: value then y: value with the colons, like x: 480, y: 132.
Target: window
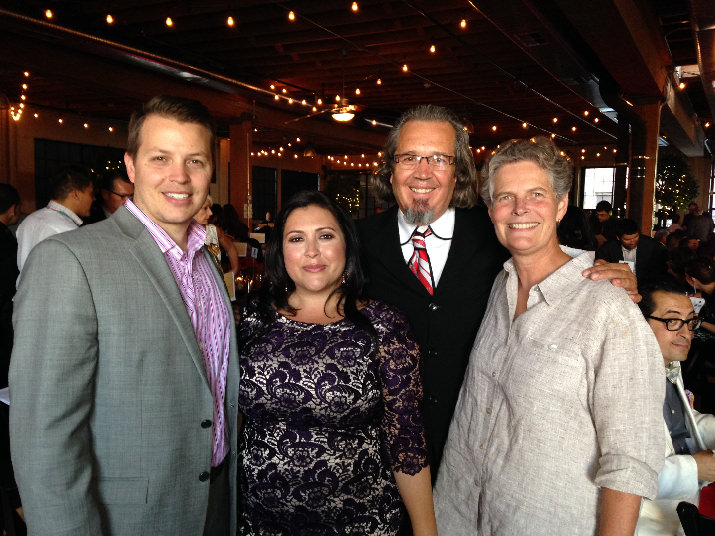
x: 51, y: 156
x: 597, y: 186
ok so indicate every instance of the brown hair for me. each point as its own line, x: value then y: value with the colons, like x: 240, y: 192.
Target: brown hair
x: 176, y: 108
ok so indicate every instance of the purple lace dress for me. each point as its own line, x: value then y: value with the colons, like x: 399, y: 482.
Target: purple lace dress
x: 329, y: 413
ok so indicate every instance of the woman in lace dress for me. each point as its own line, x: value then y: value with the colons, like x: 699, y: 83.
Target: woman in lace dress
x: 333, y: 439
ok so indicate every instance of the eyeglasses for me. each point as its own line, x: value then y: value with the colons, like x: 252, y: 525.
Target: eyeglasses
x: 674, y: 324
x: 123, y: 196
x: 437, y: 161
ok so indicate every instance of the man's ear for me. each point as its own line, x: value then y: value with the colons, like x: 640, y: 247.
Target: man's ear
x: 129, y: 163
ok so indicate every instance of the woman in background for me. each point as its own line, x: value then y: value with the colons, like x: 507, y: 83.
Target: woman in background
x: 216, y: 239
x: 330, y: 391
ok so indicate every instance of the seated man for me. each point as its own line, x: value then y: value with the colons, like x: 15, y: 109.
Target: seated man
x: 646, y: 256
x: 688, y: 433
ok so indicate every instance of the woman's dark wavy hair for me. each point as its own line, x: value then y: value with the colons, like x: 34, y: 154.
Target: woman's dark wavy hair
x: 278, y: 286
x: 465, y: 190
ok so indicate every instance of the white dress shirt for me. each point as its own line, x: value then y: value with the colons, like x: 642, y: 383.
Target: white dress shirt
x: 53, y: 219
x: 437, y: 243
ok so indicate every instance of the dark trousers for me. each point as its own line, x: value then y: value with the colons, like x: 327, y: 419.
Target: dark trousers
x: 218, y: 513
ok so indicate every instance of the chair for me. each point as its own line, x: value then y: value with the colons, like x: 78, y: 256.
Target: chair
x: 693, y: 522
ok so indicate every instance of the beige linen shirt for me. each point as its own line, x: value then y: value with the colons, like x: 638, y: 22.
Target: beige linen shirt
x: 560, y: 402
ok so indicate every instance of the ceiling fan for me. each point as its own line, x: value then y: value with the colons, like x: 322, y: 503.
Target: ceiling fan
x: 341, y: 111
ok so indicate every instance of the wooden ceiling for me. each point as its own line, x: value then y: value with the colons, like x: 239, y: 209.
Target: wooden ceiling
x: 510, y: 64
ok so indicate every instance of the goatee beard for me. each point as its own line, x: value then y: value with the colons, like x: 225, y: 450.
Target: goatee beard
x: 419, y: 217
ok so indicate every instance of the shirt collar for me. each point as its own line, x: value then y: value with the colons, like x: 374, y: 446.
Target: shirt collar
x: 196, y: 233
x: 442, y: 226
x: 559, y: 284
x: 59, y: 207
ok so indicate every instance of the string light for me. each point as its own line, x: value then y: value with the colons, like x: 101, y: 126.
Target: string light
x: 463, y: 24
x: 110, y: 129
x: 524, y: 125
x: 169, y: 22
x: 291, y: 16
x: 320, y: 102
x: 681, y: 85
x: 109, y: 19
x: 357, y: 91
x: 49, y: 14
x: 555, y: 120
x: 595, y: 119
x: 86, y: 125
x: 432, y: 49
x: 573, y: 129
x: 379, y: 81
x: 494, y: 128
x: 405, y: 68
x: 354, y: 6
x: 230, y: 22
x: 585, y: 113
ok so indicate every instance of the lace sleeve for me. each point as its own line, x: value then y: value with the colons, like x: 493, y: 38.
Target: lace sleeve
x: 400, y: 371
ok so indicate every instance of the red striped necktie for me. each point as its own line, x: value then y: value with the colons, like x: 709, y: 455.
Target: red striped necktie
x: 419, y: 262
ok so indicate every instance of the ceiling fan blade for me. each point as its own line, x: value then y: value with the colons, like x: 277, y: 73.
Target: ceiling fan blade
x: 305, y: 117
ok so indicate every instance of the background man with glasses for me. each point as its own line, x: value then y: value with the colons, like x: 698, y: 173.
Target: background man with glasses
x: 435, y: 254
x: 115, y: 189
x: 688, y: 433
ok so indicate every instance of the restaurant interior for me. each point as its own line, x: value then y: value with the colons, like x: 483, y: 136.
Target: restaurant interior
x: 305, y: 92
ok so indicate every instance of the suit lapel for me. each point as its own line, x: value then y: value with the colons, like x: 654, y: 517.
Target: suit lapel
x: 387, y: 249
x: 689, y: 419
x: 463, y: 247
x: 149, y: 257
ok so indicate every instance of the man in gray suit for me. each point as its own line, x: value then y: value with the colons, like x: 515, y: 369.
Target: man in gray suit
x: 124, y: 375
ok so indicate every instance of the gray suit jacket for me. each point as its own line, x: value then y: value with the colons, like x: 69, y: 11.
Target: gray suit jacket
x: 109, y: 390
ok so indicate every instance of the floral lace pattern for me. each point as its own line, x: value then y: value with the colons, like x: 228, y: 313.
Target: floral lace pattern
x: 330, y: 412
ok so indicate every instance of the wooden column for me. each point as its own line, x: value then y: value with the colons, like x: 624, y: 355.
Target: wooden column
x: 644, y: 159
x: 240, y: 175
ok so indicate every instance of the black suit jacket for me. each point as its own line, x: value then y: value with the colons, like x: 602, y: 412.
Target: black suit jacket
x: 651, y: 258
x: 445, y: 324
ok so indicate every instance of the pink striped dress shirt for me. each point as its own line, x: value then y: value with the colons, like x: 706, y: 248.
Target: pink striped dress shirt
x: 204, y: 300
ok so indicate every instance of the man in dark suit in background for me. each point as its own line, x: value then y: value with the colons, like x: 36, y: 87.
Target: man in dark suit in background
x: 649, y: 256
x: 114, y: 190
x: 435, y: 254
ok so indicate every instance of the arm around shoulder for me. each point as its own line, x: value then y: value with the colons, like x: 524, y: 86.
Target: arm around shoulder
x: 52, y: 372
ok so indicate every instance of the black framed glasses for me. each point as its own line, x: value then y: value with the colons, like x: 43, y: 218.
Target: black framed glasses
x: 674, y: 324
x: 437, y: 161
x: 123, y: 196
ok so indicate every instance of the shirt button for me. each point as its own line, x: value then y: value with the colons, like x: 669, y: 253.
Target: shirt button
x: 489, y: 411
x: 494, y: 374
x: 204, y: 476
x: 672, y: 411
x: 481, y: 447
x: 206, y: 423
x: 433, y: 306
